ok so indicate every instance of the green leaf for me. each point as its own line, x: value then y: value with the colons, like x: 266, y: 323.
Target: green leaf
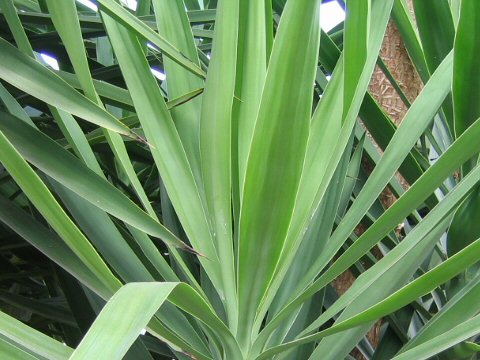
x: 277, y: 152
x: 15, y: 333
x: 313, y: 243
x: 167, y: 149
x: 380, y: 126
x: 234, y: 173
x: 437, y: 32
x: 108, y: 92
x: 466, y: 75
x: 464, y: 229
x: 331, y: 139
x: 47, y: 242
x: 435, y: 26
x: 65, y: 19
x: 10, y: 351
x: 131, y: 22
x: 15, y: 26
x: 170, y: 16
x: 426, y: 104
x: 410, y: 246
x: 65, y: 168
x: 434, y: 176
x: 409, y: 32
x: 216, y: 144
x: 95, y: 223
x: 44, y: 201
x: 458, y: 309
x: 12, y: 105
x: 29, y: 75
x: 251, y: 69
x: 132, y: 307
x: 452, y: 337
x: 355, y: 44
x: 50, y: 311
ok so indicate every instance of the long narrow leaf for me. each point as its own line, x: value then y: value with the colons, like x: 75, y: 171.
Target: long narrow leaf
x: 103, y: 341
x: 29, y: 75
x: 167, y: 150
x: 277, y: 154
x: 43, y: 199
x: 216, y: 144
x: 129, y: 20
x: 466, y: 77
x: 70, y: 172
x: 24, y: 336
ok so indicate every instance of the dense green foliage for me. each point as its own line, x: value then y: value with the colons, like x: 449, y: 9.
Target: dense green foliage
x: 215, y: 207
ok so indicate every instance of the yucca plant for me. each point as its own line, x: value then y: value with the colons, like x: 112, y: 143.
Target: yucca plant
x: 206, y: 215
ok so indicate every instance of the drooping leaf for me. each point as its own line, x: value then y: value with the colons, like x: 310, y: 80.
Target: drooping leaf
x: 27, y: 74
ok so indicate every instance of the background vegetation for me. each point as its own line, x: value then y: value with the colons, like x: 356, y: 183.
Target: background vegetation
x: 215, y: 204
